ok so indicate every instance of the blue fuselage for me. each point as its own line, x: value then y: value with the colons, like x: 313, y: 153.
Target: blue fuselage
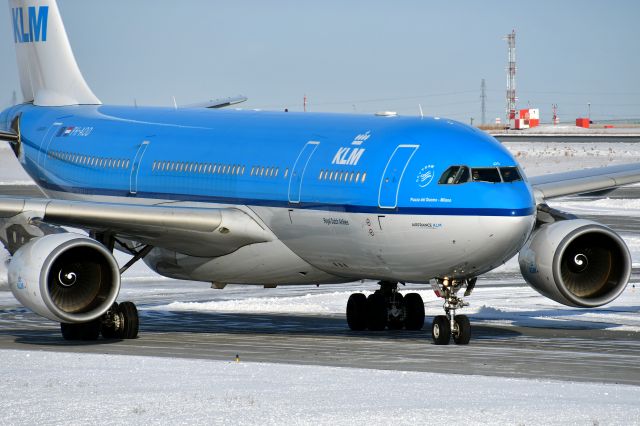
x: 387, y: 165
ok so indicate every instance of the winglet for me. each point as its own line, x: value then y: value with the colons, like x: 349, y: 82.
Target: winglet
x: 49, y: 74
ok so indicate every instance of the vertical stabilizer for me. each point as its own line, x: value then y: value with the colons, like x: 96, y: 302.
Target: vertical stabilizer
x: 49, y: 74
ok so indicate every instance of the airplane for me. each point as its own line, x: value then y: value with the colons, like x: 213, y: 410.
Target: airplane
x: 276, y: 198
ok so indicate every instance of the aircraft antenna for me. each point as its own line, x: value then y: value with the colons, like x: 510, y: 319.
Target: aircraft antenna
x: 14, y: 99
x: 304, y: 103
x: 483, y: 100
x: 511, y: 76
x: 420, y: 108
x: 175, y: 104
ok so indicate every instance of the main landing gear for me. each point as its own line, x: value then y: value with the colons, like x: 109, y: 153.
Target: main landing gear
x: 451, y: 325
x: 385, y: 308
x: 119, y: 322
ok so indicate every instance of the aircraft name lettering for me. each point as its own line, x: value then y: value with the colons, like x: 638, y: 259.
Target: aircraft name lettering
x: 334, y: 221
x: 429, y: 200
x: 348, y: 156
x: 34, y: 28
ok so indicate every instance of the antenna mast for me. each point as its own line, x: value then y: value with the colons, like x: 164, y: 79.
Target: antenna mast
x: 511, y: 76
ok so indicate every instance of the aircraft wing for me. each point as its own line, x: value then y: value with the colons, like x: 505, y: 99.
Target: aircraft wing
x: 217, y: 231
x: 584, y: 181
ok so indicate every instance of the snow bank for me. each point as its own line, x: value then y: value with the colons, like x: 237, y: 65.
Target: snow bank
x: 539, y: 158
x: 108, y: 389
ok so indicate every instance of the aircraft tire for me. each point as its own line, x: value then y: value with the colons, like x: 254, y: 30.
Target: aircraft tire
x: 131, y: 320
x: 357, y: 312
x: 376, y: 312
x: 441, y: 330
x: 414, y: 312
x: 462, y: 335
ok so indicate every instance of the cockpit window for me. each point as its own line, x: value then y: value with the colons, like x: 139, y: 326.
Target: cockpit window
x: 489, y: 174
x: 510, y: 174
x: 455, y: 175
x: 461, y: 174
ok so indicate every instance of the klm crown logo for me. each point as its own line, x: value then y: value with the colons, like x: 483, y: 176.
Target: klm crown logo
x: 31, y: 26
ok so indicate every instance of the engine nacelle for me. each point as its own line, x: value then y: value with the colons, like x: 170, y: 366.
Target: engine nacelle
x: 576, y: 262
x: 65, y: 277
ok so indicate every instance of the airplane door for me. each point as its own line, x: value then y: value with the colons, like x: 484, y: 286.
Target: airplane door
x: 297, y: 173
x: 46, y: 142
x: 135, y: 168
x: 392, y: 176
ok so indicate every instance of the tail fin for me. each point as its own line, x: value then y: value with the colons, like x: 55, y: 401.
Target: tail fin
x: 49, y: 74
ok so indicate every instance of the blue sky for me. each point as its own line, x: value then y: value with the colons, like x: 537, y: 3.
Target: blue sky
x: 355, y: 56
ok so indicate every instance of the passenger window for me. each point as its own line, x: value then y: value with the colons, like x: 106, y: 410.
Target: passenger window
x: 489, y: 174
x: 510, y: 174
x: 364, y: 176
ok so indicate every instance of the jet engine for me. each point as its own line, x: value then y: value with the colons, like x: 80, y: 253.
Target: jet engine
x: 67, y: 277
x: 576, y: 262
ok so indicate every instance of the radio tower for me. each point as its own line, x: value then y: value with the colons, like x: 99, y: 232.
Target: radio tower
x: 511, y: 76
x: 483, y: 99
x: 14, y: 99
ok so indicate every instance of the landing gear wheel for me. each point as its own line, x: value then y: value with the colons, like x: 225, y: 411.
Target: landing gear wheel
x: 113, y: 323
x: 461, y: 330
x: 357, y: 312
x: 376, y: 312
x: 131, y: 321
x: 414, y: 312
x: 441, y: 330
x: 396, y: 312
x: 83, y: 331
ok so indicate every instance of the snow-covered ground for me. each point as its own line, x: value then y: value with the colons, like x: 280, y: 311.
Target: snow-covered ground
x: 108, y: 389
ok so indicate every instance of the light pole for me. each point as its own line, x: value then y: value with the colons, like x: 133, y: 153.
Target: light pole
x: 589, y: 115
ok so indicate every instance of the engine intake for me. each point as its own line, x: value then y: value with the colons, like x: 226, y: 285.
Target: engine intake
x: 576, y: 262
x: 65, y: 277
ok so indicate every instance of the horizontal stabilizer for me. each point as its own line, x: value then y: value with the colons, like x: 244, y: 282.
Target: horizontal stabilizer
x: 8, y: 136
x: 218, y: 103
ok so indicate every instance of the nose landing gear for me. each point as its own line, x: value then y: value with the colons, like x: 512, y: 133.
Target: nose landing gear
x: 385, y: 308
x: 451, y: 325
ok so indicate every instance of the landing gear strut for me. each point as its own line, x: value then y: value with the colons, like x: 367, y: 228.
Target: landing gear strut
x: 119, y: 322
x: 385, y: 308
x: 451, y: 325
